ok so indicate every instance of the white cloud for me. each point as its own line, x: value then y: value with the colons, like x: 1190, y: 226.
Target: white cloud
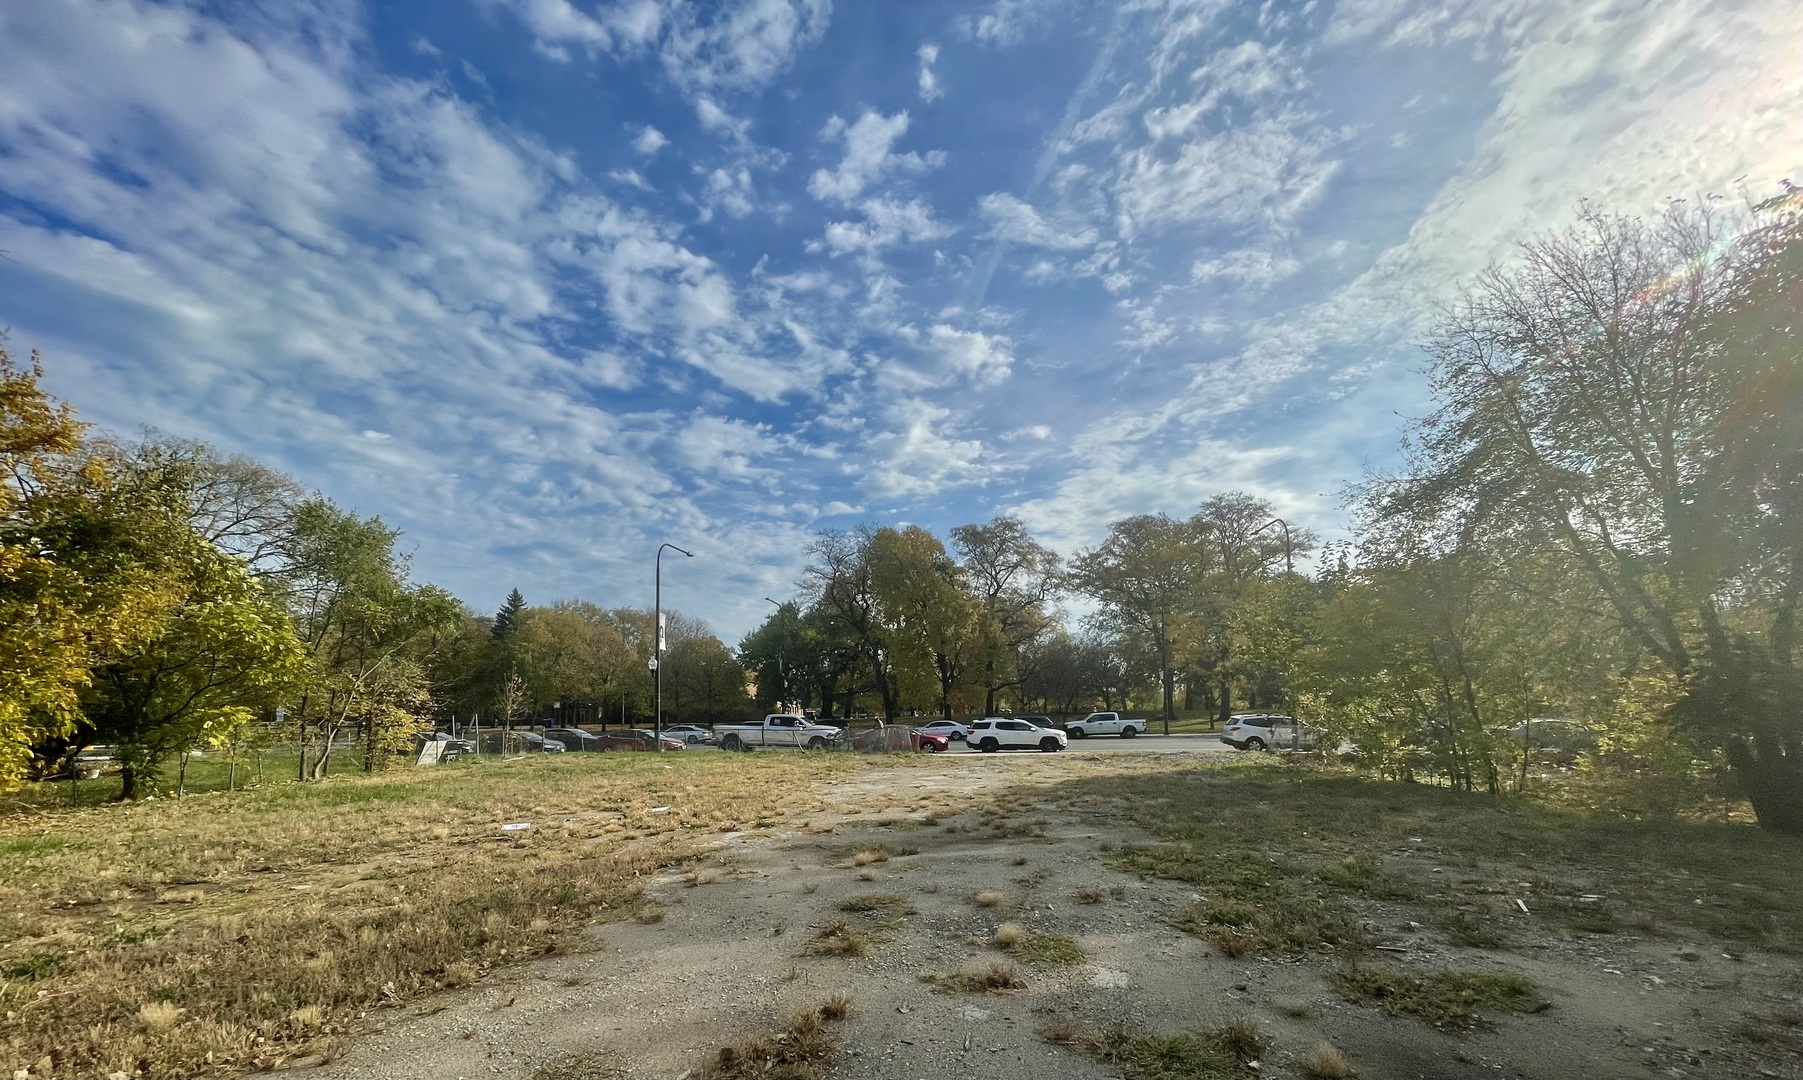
x: 869, y: 142
x: 649, y: 141
x: 745, y: 45
x: 1251, y: 266
x: 1262, y: 173
x: 928, y: 82
x: 1016, y: 222
x: 886, y: 223
x: 972, y: 354
x: 555, y: 24
x: 915, y: 455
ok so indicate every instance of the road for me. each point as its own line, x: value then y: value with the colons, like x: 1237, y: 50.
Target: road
x: 1143, y: 744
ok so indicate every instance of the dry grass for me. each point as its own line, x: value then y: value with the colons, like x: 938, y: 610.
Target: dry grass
x: 801, y: 1051
x: 840, y: 938
x: 870, y: 903
x: 870, y: 855
x: 1041, y: 949
x: 986, y: 899
x: 1221, y: 1054
x: 252, y: 929
x: 1091, y: 896
x: 1326, y: 1063
x: 1443, y: 999
x: 991, y: 979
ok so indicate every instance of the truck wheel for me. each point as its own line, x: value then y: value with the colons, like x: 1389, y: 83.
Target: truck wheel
x: 1048, y: 745
x: 731, y: 742
x: 1128, y: 733
x: 989, y: 746
x: 1255, y: 743
x: 816, y: 743
x: 1078, y: 733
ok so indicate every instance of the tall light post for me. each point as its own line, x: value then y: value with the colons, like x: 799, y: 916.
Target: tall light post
x: 782, y: 682
x: 1289, y: 562
x: 657, y: 651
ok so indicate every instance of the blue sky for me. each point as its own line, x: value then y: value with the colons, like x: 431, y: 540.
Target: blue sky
x: 545, y: 282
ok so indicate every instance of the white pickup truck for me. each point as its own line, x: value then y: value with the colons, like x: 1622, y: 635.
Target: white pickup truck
x: 1105, y: 723
x: 778, y: 729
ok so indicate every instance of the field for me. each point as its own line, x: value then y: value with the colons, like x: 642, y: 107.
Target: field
x: 809, y: 916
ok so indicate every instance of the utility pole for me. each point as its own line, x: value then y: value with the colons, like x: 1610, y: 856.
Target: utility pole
x: 1289, y: 561
x: 782, y: 681
x: 657, y: 650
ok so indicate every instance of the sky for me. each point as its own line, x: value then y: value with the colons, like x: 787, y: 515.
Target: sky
x: 546, y: 283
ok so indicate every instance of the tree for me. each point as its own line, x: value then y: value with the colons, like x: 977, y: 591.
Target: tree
x: 841, y: 582
x: 223, y: 650
x: 1144, y: 577
x: 920, y: 591
x: 1239, y: 545
x: 47, y: 604
x: 368, y: 632
x: 1013, y: 578
x: 708, y: 682
x: 570, y: 651
x: 507, y: 620
x: 1625, y: 396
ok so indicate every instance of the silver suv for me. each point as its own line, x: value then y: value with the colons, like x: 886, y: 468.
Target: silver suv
x: 1263, y: 731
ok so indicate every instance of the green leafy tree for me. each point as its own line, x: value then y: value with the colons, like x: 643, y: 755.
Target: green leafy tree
x: 1143, y: 578
x: 1012, y: 578
x: 368, y: 633
x: 1623, y: 396
x: 935, y: 623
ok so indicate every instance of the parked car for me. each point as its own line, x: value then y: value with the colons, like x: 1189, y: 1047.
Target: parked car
x: 576, y: 739
x: 1263, y: 731
x: 536, y: 742
x: 690, y: 734
x: 951, y: 729
x: 1105, y: 723
x: 900, y: 737
x: 636, y: 739
x: 1549, y: 733
x: 1007, y: 733
x: 778, y: 729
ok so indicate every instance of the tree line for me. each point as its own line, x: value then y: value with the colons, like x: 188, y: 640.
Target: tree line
x: 1600, y: 520
x: 159, y: 598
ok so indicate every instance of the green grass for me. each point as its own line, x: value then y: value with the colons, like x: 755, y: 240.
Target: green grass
x: 1140, y: 1055
x: 991, y: 979
x: 1045, y: 950
x: 1452, y: 1000
x: 1289, y: 857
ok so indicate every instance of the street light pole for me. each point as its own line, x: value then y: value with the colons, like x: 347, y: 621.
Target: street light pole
x: 657, y: 643
x: 782, y: 682
x: 1289, y: 561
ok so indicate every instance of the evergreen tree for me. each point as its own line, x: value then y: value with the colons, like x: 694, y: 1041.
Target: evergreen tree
x: 507, y: 620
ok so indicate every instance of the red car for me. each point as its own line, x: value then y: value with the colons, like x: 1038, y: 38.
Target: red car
x: 634, y: 739
x: 896, y: 737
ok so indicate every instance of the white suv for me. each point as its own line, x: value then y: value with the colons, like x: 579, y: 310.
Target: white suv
x: 1001, y: 733
x: 1262, y: 731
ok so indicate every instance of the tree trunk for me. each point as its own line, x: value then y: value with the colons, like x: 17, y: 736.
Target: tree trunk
x: 1769, y: 771
x: 181, y: 775
x: 128, y: 783
x: 1224, y: 707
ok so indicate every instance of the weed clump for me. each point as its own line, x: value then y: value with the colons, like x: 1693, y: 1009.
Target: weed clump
x: 840, y: 938
x: 1041, y: 949
x: 1444, y: 999
x: 1139, y: 1055
x: 874, y: 902
x: 1326, y: 1063
x: 993, y: 979
x: 801, y: 1051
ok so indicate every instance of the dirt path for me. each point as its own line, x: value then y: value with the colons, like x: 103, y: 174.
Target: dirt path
x: 729, y: 960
